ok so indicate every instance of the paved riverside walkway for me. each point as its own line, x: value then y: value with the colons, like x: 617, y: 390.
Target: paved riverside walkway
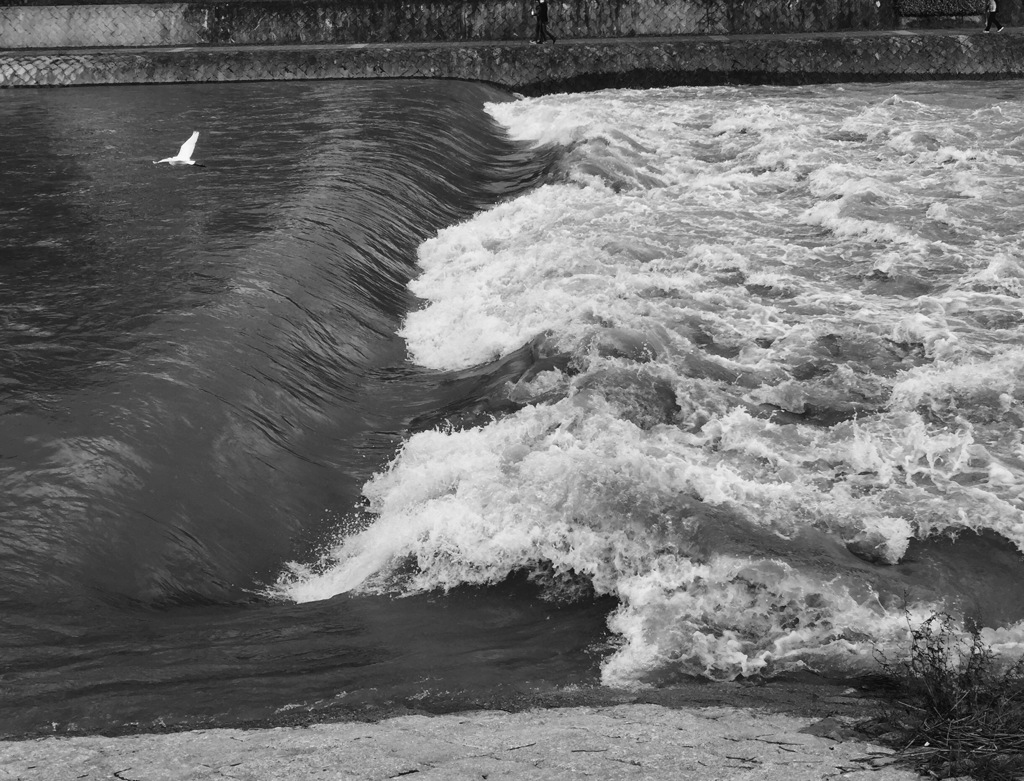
x: 565, y: 66
x: 611, y: 743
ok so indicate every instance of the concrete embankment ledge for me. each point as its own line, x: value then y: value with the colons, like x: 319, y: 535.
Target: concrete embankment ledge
x: 628, y: 741
x: 797, y: 58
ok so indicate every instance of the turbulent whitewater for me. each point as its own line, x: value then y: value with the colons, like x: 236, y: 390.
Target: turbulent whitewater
x: 423, y: 395
x: 776, y: 393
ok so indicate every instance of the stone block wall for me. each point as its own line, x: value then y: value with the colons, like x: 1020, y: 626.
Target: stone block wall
x: 67, y: 26
x: 948, y: 13
x: 25, y: 26
x: 577, y: 65
x: 941, y: 7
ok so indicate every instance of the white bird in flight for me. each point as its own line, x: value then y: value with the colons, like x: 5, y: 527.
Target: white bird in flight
x: 184, y: 156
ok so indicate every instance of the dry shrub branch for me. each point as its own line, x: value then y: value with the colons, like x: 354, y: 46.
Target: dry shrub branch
x: 959, y: 709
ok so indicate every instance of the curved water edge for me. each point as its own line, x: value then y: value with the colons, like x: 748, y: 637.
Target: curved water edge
x: 201, y: 369
x: 628, y: 386
x: 782, y: 410
x: 207, y: 343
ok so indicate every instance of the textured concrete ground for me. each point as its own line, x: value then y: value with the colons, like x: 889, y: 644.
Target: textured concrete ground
x: 607, y: 743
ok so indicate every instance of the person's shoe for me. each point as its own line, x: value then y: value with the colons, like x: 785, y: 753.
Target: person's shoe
x: 999, y: 30
x: 985, y: 30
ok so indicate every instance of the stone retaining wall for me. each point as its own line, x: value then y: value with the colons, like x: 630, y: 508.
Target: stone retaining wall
x: 248, y: 22
x: 954, y: 13
x: 537, y: 69
x: 942, y: 7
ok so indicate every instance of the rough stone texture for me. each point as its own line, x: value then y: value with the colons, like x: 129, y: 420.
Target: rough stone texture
x: 611, y: 743
x: 954, y: 13
x: 534, y: 69
x: 92, y: 25
x: 246, y: 22
x: 941, y: 7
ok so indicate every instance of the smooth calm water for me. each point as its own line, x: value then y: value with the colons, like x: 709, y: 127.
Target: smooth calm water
x: 417, y: 392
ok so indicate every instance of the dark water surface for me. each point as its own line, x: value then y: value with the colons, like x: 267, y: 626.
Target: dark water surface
x: 198, y: 372
x: 420, y: 397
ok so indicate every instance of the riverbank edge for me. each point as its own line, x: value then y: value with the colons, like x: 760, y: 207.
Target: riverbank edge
x: 788, y: 731
x: 565, y: 66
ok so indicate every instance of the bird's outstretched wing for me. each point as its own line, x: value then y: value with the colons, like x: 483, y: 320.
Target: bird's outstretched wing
x: 185, y: 153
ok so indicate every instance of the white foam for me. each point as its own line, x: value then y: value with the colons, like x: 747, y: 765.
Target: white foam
x: 821, y: 252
